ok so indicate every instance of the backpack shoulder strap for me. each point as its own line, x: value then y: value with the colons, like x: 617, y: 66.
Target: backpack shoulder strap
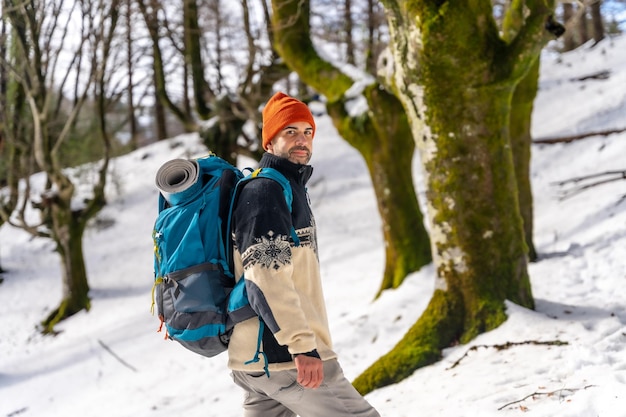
x: 275, y: 175
x: 272, y: 174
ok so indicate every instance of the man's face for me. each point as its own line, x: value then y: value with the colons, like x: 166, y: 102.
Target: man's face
x: 294, y: 142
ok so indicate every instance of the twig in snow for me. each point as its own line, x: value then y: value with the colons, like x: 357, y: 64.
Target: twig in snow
x: 18, y: 412
x: 572, y: 138
x: 122, y: 361
x: 591, y: 180
x: 600, y: 75
x: 549, y: 394
x: 508, y: 345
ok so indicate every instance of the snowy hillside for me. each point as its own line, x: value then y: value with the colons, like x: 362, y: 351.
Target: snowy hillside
x: 110, y: 362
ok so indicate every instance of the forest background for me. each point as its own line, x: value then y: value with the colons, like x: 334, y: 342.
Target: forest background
x: 84, y: 81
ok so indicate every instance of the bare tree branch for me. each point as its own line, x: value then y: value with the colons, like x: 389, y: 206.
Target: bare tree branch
x: 595, y: 180
x: 572, y: 138
x: 116, y: 356
x: 508, y: 345
x: 549, y: 394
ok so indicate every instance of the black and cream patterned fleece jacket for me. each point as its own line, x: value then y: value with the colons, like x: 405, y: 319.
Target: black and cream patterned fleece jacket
x: 282, y: 280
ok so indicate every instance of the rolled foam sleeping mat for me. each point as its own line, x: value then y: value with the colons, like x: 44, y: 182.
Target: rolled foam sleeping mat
x: 178, y: 180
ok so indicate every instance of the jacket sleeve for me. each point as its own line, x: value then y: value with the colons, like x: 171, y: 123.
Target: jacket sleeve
x: 262, y: 228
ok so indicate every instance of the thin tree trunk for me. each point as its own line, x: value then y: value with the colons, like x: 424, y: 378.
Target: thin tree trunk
x: 381, y: 134
x: 160, y: 82
x: 583, y: 29
x: 160, y: 117
x: 371, y: 57
x: 193, y: 57
x: 347, y: 17
x: 132, y: 119
x: 569, y: 38
x: 68, y: 231
x: 519, y: 125
x: 407, y: 245
x: 521, y: 141
x: 596, y: 21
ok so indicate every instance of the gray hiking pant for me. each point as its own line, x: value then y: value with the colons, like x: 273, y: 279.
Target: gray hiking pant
x: 281, y: 396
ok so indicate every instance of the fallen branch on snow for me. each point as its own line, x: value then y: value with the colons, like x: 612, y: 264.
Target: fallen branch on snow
x: 508, y: 345
x: 598, y: 179
x: 599, y: 75
x: 122, y: 361
x: 572, y: 138
x: 549, y: 394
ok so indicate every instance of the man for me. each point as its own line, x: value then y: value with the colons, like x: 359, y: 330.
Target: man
x: 284, y: 359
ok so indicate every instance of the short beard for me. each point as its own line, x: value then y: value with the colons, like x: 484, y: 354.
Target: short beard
x: 300, y: 148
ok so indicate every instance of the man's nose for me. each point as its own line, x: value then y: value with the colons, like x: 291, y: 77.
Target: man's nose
x: 300, y: 139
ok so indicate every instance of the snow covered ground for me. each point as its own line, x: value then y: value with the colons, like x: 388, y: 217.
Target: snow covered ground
x: 111, y: 362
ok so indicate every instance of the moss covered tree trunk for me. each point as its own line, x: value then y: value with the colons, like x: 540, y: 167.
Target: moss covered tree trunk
x: 381, y: 134
x: 520, y: 123
x: 521, y: 141
x: 454, y: 73
x: 67, y: 229
x: 66, y: 225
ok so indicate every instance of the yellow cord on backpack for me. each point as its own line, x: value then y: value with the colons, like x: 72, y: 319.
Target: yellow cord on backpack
x: 158, y: 279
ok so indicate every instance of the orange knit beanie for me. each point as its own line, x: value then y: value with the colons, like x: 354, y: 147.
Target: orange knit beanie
x: 281, y: 110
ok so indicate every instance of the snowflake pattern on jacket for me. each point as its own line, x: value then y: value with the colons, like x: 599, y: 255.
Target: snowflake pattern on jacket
x: 269, y: 252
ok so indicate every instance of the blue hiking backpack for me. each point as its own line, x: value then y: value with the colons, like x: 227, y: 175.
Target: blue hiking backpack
x: 194, y: 288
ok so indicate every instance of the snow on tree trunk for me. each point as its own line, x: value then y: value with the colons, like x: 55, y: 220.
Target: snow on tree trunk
x: 456, y: 76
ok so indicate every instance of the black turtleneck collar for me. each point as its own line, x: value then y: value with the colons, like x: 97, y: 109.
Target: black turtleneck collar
x: 296, y: 172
